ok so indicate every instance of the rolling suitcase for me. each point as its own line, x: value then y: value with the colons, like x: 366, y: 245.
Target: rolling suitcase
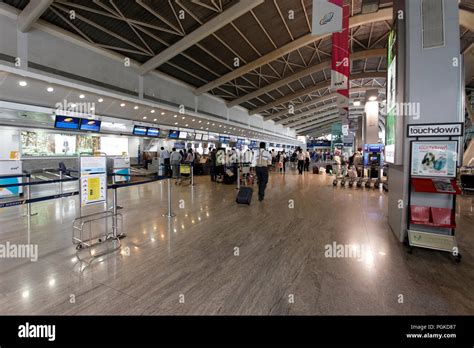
x: 244, y: 196
x: 328, y: 168
x: 315, y: 170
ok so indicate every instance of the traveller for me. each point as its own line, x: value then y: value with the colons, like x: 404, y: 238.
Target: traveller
x: 175, y: 160
x: 307, y: 160
x: 359, y: 162
x: 301, y: 158
x: 263, y: 159
x: 165, y: 155
x: 212, y: 164
x: 190, y: 157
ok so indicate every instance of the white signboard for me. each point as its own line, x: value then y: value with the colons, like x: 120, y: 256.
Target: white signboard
x: 327, y: 17
x: 435, y: 130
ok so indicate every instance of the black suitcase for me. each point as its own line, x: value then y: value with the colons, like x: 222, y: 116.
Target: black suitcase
x: 244, y: 196
x: 228, y: 180
x: 328, y: 168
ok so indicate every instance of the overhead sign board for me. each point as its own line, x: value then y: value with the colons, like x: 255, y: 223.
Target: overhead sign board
x: 327, y: 16
x: 435, y: 130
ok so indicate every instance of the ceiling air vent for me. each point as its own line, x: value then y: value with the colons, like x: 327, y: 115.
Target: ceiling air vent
x: 370, y: 6
x: 432, y: 23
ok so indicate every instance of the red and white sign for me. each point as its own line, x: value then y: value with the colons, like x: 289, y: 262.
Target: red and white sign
x: 327, y: 16
x: 340, y: 66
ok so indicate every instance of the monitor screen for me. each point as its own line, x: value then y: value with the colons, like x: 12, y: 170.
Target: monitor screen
x: 173, y: 134
x: 66, y: 122
x: 183, y: 135
x: 153, y: 132
x: 198, y: 136
x: 90, y: 125
x: 139, y: 130
x: 205, y: 137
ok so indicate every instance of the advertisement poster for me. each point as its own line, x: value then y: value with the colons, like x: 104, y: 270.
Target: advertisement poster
x: 435, y: 158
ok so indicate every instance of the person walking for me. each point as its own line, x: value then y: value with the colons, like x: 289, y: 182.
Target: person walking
x: 165, y: 155
x: 301, y: 158
x: 307, y: 160
x: 263, y: 159
x: 212, y: 164
x: 175, y: 160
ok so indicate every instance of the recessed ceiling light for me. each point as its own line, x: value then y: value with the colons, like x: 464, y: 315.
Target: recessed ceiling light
x: 154, y: 120
x: 176, y: 123
x: 199, y: 121
x: 186, y: 125
x: 144, y: 117
x: 202, y: 127
x: 82, y: 96
x: 162, y: 113
x: 152, y: 111
x: 50, y: 89
x: 100, y: 100
x: 208, y: 122
x: 122, y: 105
x: 22, y: 83
x: 220, y: 126
x: 207, y: 128
x: 183, y: 117
x: 357, y: 103
x: 175, y: 116
x: 193, y: 119
x: 135, y: 107
x: 213, y: 124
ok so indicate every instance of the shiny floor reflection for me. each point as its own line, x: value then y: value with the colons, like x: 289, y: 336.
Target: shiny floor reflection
x: 217, y: 257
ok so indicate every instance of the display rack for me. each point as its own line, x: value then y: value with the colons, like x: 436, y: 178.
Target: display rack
x: 432, y: 191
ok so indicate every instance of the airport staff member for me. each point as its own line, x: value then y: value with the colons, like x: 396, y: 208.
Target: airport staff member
x: 166, y: 160
x: 263, y: 159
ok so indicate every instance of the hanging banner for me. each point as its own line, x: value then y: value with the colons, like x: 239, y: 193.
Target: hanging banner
x: 327, y: 16
x: 340, y: 66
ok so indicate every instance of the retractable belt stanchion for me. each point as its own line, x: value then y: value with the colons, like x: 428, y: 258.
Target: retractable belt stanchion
x: 192, y: 175
x: 28, y: 197
x: 169, y: 214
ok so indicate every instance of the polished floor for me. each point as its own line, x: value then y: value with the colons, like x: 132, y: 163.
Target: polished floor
x: 217, y: 257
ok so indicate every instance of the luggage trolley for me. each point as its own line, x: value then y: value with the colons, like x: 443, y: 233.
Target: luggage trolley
x: 93, y: 190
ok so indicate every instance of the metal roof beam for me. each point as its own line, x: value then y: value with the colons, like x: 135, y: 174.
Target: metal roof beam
x: 358, y: 20
x: 199, y: 34
x: 312, y: 89
x: 305, y: 72
x: 31, y: 13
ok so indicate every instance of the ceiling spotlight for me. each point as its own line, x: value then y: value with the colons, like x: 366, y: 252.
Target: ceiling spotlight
x: 207, y: 128
x: 357, y: 103
x: 207, y: 122
x: 162, y: 113
x: 122, y: 105
x: 183, y: 117
x: 193, y: 119
x: 82, y: 96
x: 135, y: 107
x: 186, y: 125
x: 220, y: 126
x: 100, y: 100
x: 144, y: 117
x: 175, y: 116
x: 213, y: 124
x: 372, y: 98
x: 22, y: 83
x: 199, y: 121
x: 152, y: 111
x: 176, y: 123
x: 154, y: 120
x: 50, y: 89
